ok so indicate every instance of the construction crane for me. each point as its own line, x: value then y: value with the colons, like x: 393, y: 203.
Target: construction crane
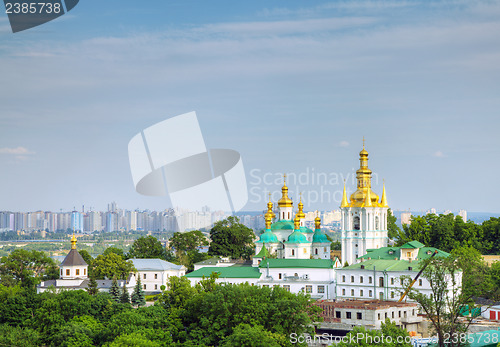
x: 415, y: 279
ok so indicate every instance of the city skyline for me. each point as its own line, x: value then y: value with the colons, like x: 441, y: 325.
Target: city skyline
x: 291, y: 87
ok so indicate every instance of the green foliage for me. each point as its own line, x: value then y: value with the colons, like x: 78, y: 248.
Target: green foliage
x: 116, y: 250
x: 360, y: 336
x: 92, y: 286
x: 138, y: 298
x: 178, y: 293
x: 491, y: 232
x: 148, y: 248
x: 245, y: 335
x: 114, y: 291
x: 393, y: 230
x: 186, y: 245
x: 87, y: 257
x: 447, y: 298
x: 336, y: 246
x: 112, y: 265
x: 125, y: 297
x: 17, y: 336
x: 231, y: 239
x: 27, y: 268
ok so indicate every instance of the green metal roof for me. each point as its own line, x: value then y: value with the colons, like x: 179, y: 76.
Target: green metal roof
x: 227, y: 272
x: 268, y: 237
x: 282, y: 225
x: 306, y: 230
x: 413, y: 244
x: 211, y: 261
x: 320, y: 237
x: 263, y: 253
x: 298, y: 263
x: 297, y: 237
x: 390, y: 253
x: 385, y: 265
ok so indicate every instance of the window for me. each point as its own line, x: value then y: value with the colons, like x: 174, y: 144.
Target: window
x: 279, y: 276
x: 356, y: 223
x: 393, y: 314
x: 61, y: 272
x: 144, y: 286
x: 352, y: 292
x: 404, y: 314
x: 144, y: 276
x: 78, y: 272
x: 156, y: 286
x: 361, y: 292
x: 370, y: 293
x: 360, y: 279
x: 316, y: 251
x: 352, y: 279
x: 309, y: 289
x: 67, y: 272
x: 286, y: 287
x: 399, y: 314
x: 408, y: 254
x: 377, y: 223
x: 359, y: 315
x: 321, y: 289
x: 381, y: 282
x: 156, y: 276
x: 343, y: 291
x: 370, y: 279
x: 348, y: 315
x: 85, y: 272
x: 293, y: 252
x: 392, y: 295
x: 420, y: 282
x: 296, y: 275
x: 392, y: 280
x: 337, y: 314
x: 343, y: 278
x: 386, y: 315
x: 379, y: 316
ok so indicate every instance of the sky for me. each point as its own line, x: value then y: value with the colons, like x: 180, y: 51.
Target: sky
x: 293, y: 86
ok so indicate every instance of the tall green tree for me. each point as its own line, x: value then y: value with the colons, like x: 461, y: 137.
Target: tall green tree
x: 186, y: 247
x: 125, y: 297
x: 148, y: 248
x: 491, y: 232
x: 112, y: 265
x: 138, y: 299
x: 92, y: 286
x: 229, y: 238
x: 115, y: 290
x: 393, y: 230
x: 115, y: 250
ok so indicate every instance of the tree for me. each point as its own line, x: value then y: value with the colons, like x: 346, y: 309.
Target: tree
x: 115, y: 250
x: 138, y: 298
x: 115, y: 290
x: 125, y: 297
x: 491, y: 231
x: 27, y: 268
x: 254, y: 336
x: 112, y: 265
x: 443, y: 306
x: 92, y: 286
x: 178, y: 293
x: 389, y: 335
x: 147, y: 248
x: 393, y: 230
x: 231, y: 239
x: 186, y: 247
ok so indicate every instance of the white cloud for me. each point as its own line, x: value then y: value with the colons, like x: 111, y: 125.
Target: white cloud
x: 344, y: 144
x: 20, y: 152
x: 438, y: 154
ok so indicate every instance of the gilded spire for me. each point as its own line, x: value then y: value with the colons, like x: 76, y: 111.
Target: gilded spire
x: 301, y: 213
x: 368, y: 199
x: 268, y: 223
x: 364, y: 178
x: 296, y: 223
x: 344, y: 202
x: 285, y: 201
x: 317, y: 221
x: 383, y: 202
x: 73, y: 242
x: 270, y: 212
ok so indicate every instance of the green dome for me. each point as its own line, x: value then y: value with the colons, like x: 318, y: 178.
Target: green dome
x: 297, y: 237
x: 306, y: 230
x: 282, y: 225
x: 320, y: 237
x: 268, y: 237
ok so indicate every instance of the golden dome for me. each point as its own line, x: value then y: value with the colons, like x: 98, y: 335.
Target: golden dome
x: 268, y: 223
x: 296, y: 223
x: 317, y: 222
x: 364, y: 183
x: 73, y: 242
x: 301, y: 213
x: 285, y: 201
x: 269, y: 214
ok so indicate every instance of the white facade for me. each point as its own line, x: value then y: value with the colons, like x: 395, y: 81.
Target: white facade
x: 155, y: 272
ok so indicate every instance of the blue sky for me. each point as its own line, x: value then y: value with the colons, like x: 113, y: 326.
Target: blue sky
x: 292, y: 85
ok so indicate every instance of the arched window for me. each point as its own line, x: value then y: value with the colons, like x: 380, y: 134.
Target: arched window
x: 316, y: 251
x: 377, y: 223
x: 293, y: 252
x: 356, y: 223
